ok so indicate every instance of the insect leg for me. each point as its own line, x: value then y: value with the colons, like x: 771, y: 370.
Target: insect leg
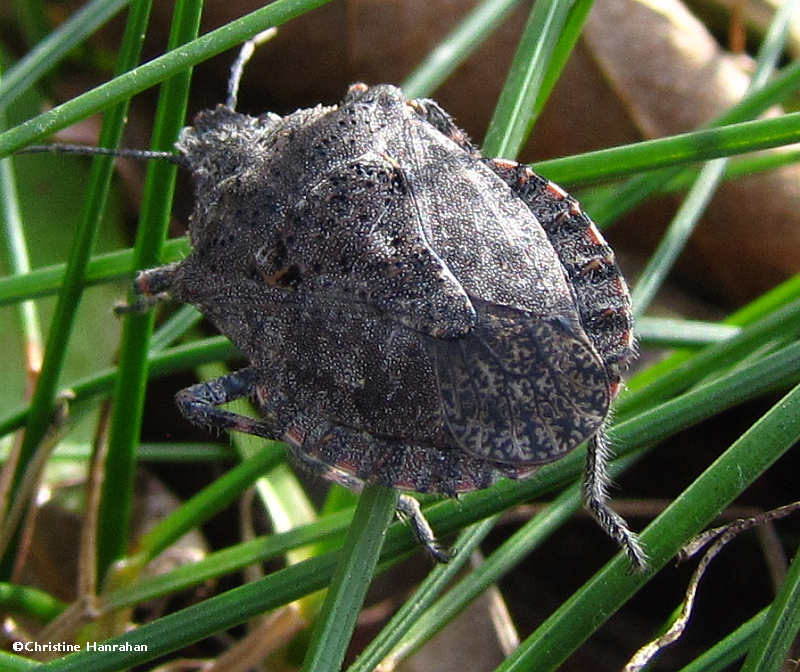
x: 150, y: 287
x: 595, y: 497
x: 408, y: 508
x: 198, y: 403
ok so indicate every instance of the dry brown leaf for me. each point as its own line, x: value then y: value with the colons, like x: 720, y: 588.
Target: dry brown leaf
x: 672, y: 76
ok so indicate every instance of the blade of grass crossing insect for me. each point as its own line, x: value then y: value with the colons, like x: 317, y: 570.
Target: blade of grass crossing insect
x: 126, y: 419
x: 353, y: 575
x: 49, y: 52
x: 72, y: 287
x: 457, y: 47
x: 780, y: 627
x: 585, y: 611
x: 514, y: 114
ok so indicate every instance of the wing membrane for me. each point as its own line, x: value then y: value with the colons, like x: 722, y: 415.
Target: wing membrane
x: 521, y: 389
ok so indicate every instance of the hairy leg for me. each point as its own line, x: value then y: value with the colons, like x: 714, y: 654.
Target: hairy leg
x: 595, y: 484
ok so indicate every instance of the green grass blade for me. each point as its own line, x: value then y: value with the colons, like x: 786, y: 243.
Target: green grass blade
x: 126, y: 419
x: 72, y: 287
x: 11, y: 663
x: 772, y: 47
x: 354, y: 572
x: 49, y: 52
x: 206, y: 503
x: 513, y: 551
x: 240, y: 604
x: 680, y: 229
x: 30, y: 601
x: 176, y: 326
x: 568, y: 36
x: 739, y: 167
x: 18, y: 262
x: 780, y: 627
x: 676, y: 236
x: 215, y: 614
x: 779, y: 369
x: 713, y: 358
x: 513, y: 116
x: 593, y: 198
x: 701, y: 145
x: 436, y: 581
x: 101, y: 268
x: 779, y: 296
x: 762, y: 93
x: 164, y: 363
x: 153, y: 72
x: 454, y: 49
x: 148, y: 452
x: 754, y: 452
x: 331, y: 528
x: 662, y: 332
x: 33, y: 20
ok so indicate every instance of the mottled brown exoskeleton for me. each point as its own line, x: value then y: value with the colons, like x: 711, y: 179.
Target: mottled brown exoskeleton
x: 414, y: 314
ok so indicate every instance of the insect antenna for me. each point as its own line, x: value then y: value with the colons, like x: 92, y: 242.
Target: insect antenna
x: 139, y: 154
x: 237, y: 69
